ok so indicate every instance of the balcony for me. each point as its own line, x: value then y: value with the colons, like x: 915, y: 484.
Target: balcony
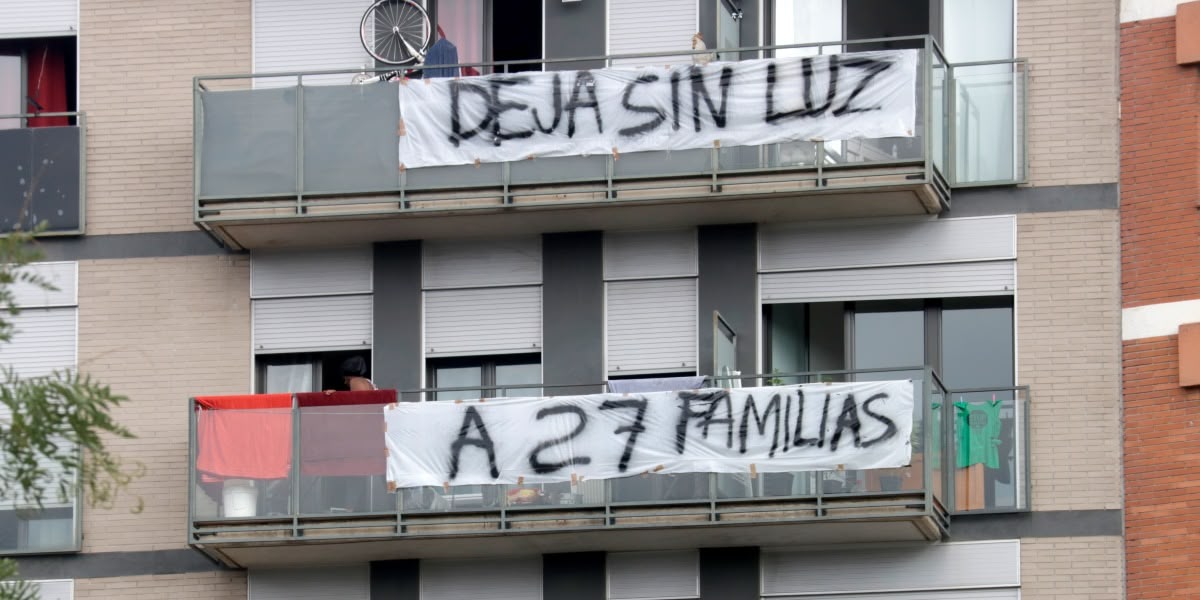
x: 314, y: 489
x: 43, y: 174
x: 308, y: 159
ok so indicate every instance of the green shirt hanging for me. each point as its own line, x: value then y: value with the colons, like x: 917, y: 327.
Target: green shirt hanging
x: 978, y: 433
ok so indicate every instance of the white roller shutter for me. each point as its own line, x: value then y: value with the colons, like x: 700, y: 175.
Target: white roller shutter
x: 44, y: 341
x: 651, y: 326
x: 58, y: 589
x: 643, y: 254
x: 22, y: 18
x: 475, y: 579
x: 917, y: 570
x: 313, y: 300
x: 319, y: 323
x: 637, y: 26
x: 920, y: 281
x: 308, y: 35
x: 331, y: 583
x: 307, y: 273
x: 481, y: 321
x: 62, y: 275
x: 809, y: 247
x: 481, y: 263
x: 653, y: 575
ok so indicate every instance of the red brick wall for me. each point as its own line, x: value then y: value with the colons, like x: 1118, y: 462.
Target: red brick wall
x: 1160, y: 160
x: 1160, y: 233
x: 1162, y: 474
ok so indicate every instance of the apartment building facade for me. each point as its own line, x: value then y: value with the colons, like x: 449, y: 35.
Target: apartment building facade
x: 240, y: 220
x: 1158, y: 291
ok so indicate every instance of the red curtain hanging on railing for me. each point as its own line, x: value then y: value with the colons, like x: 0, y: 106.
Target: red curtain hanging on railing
x: 47, y: 84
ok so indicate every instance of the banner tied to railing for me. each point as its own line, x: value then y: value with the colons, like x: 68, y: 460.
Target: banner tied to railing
x: 508, y: 117
x: 865, y: 425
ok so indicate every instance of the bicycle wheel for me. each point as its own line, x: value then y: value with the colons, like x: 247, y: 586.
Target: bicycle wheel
x: 396, y: 32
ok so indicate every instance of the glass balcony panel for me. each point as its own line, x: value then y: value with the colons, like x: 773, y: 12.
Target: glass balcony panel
x: 343, y: 464
x: 40, y: 181
x: 350, y: 138
x: 989, y: 110
x: 661, y: 488
x: 248, y: 142
x: 243, y: 462
x: 560, y: 169
x: 989, y: 461
x: 454, y: 177
x: 939, y: 116
x: 664, y: 163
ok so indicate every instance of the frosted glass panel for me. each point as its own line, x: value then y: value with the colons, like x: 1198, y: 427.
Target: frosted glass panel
x: 805, y: 21
x: 978, y: 30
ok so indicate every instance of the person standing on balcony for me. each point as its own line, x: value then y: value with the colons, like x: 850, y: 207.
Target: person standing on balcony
x: 354, y: 374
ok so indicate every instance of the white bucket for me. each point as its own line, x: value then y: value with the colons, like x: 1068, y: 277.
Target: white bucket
x: 241, y: 498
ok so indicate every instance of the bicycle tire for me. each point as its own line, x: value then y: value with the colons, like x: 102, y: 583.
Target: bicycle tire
x: 407, y: 31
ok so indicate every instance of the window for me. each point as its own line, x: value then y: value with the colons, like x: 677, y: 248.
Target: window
x: 968, y: 342
x: 481, y: 32
x: 37, y: 75
x: 493, y: 375
x: 304, y: 372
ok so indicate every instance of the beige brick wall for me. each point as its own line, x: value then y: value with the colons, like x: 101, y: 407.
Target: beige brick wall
x: 209, y: 586
x: 136, y: 63
x: 1069, y: 345
x: 1072, y: 568
x: 1072, y: 50
x: 160, y: 330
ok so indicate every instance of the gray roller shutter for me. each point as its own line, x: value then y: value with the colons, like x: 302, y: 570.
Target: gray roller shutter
x: 481, y: 263
x: 320, y: 323
x: 918, y: 281
x: 651, y: 326
x: 23, y: 18
x: 806, y: 247
x: 636, y: 26
x: 480, y: 321
x: 45, y: 340
x: 309, y: 273
x: 308, y: 35
x: 917, y: 570
x: 331, y: 583
x: 505, y: 579
x: 641, y: 254
x: 653, y: 575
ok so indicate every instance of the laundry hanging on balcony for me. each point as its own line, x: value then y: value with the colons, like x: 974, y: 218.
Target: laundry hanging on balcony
x: 812, y: 427
x: 508, y: 117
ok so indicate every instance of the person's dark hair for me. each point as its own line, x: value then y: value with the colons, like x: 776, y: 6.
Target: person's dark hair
x: 354, y: 366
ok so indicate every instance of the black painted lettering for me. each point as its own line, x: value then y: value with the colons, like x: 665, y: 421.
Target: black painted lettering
x: 714, y: 400
x: 471, y: 418
x: 633, y: 429
x: 873, y: 68
x: 536, y: 463
x: 798, y: 439
x: 457, y: 133
x: 498, y: 107
x: 749, y: 410
x: 700, y: 92
x: 824, y: 423
x: 847, y: 420
x: 650, y: 125
x: 558, y: 108
x: 891, y: 430
x: 675, y: 109
x: 585, y: 83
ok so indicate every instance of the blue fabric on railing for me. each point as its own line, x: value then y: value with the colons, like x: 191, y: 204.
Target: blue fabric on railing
x: 655, y: 384
x: 442, y: 52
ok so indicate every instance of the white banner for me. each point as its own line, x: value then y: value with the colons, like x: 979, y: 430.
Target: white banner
x: 602, y: 436
x: 507, y: 117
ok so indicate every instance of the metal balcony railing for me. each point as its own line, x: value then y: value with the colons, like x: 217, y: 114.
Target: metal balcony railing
x: 311, y: 145
x: 45, y: 172
x: 328, y: 475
